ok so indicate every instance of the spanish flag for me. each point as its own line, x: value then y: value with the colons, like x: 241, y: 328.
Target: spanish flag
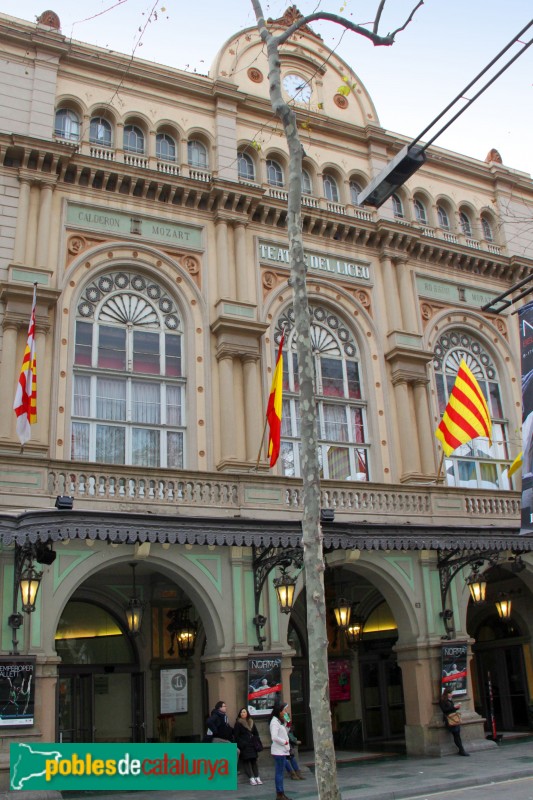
x: 274, y: 407
x: 25, y: 405
x: 467, y: 415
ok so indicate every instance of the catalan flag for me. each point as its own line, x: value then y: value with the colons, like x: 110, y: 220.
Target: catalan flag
x: 467, y: 415
x: 25, y: 405
x: 274, y: 407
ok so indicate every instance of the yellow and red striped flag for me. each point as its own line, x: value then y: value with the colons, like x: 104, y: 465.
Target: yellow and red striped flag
x: 467, y: 415
x: 25, y: 405
x: 274, y: 407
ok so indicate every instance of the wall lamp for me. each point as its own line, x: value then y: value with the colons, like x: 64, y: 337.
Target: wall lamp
x: 183, y: 632
x: 134, y: 610
x: 26, y: 581
x: 452, y: 563
x: 503, y: 607
x: 354, y: 631
x: 264, y: 560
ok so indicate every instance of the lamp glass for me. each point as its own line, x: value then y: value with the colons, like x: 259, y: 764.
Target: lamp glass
x: 354, y: 632
x: 503, y: 607
x: 186, y: 638
x: 134, y: 616
x: 343, y: 612
x: 29, y: 583
x: 285, y: 586
x: 478, y: 588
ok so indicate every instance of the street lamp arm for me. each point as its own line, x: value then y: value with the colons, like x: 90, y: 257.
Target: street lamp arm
x: 264, y: 560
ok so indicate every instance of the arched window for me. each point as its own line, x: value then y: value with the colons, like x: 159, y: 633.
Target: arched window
x: 133, y: 139
x: 341, y: 408
x: 355, y: 191
x: 274, y: 173
x: 476, y: 463
x: 331, y: 191
x: 129, y: 389
x: 488, y: 235
x: 246, y: 167
x: 397, y: 206
x: 420, y: 211
x: 197, y: 154
x: 307, y: 186
x: 466, y: 225
x: 165, y: 147
x: 67, y: 125
x: 100, y: 132
x: 444, y: 220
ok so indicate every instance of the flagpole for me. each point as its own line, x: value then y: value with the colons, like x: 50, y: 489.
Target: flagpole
x: 440, y: 465
x: 261, y: 444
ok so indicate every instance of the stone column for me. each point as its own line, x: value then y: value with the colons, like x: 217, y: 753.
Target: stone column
x: 252, y: 407
x: 10, y: 375
x: 406, y: 421
x: 223, y: 261
x: 242, y: 271
x: 44, y: 224
x: 390, y: 290
x: 407, y: 302
x: 227, y: 405
x: 426, y: 438
x: 19, y: 250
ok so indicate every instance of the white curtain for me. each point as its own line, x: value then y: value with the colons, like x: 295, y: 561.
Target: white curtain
x: 111, y: 399
x: 335, y: 425
x: 146, y: 403
x: 110, y: 444
x: 82, y: 396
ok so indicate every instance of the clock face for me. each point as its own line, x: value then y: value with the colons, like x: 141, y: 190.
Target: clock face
x: 297, y: 88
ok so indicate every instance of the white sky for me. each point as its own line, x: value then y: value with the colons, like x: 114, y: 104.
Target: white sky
x: 445, y: 46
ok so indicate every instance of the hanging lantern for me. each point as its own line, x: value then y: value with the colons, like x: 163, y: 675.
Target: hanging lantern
x: 503, y: 607
x: 342, y: 611
x: 477, y: 586
x: 29, y: 583
x: 134, y: 610
x: 354, y: 632
x: 186, y: 632
x: 285, y: 586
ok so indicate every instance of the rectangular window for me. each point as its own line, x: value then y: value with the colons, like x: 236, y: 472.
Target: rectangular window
x: 146, y: 353
x: 338, y: 463
x: 335, y: 423
x: 84, y: 344
x: 467, y: 473
x: 495, y: 403
x: 111, y: 348
x: 442, y: 397
x: 146, y: 403
x: 82, y: 396
x: 111, y: 399
x: 145, y: 448
x: 361, y: 466
x: 354, y: 384
x: 489, y: 476
x: 289, y: 451
x: 110, y: 444
x: 80, y: 441
x: 173, y: 355
x: 174, y: 406
x: 332, y: 377
x: 358, y: 425
x: 175, y: 450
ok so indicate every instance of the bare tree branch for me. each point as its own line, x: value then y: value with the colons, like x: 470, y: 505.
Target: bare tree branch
x: 378, y: 15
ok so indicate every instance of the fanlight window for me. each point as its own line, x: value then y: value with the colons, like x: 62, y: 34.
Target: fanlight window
x: 466, y: 225
x: 100, y: 132
x: 197, y: 154
x: 274, y: 173
x: 165, y: 147
x: 246, y: 167
x: 341, y: 407
x: 488, y: 235
x: 67, y: 125
x: 397, y: 206
x: 128, y: 403
x: 133, y: 139
x: 443, y: 218
x: 331, y: 191
x: 420, y: 211
x: 476, y: 463
x: 355, y: 191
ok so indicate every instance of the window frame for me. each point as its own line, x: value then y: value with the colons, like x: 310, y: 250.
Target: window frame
x: 165, y: 137
x: 421, y: 214
x: 466, y: 224
x: 246, y: 159
x: 106, y: 125
x: 331, y: 188
x: 443, y: 217
x: 136, y: 149
x: 70, y: 117
x: 397, y: 206
x: 355, y: 191
x: 275, y: 174
x: 486, y: 226
x: 197, y: 154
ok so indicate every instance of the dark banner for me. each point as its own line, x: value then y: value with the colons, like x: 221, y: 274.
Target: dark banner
x: 454, y: 671
x: 264, y: 684
x: 339, y: 680
x: 525, y: 316
x: 17, y: 691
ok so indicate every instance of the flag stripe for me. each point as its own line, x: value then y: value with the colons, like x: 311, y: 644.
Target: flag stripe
x: 467, y: 414
x: 274, y: 407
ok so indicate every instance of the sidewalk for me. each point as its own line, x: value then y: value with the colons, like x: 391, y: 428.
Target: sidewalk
x: 371, y: 775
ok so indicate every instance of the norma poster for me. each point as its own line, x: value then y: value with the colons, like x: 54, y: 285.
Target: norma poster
x: 264, y: 683
x: 454, y: 672
x: 174, y: 690
x: 525, y: 315
x: 339, y: 680
x: 17, y: 691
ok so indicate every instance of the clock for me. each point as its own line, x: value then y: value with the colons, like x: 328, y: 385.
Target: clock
x: 297, y: 88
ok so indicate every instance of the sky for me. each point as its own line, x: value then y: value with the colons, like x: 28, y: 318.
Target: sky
x: 442, y: 50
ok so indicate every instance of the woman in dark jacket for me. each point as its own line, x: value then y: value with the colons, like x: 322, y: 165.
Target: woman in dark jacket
x: 245, y: 733
x: 448, y: 707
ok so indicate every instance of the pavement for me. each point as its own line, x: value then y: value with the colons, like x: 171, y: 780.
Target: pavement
x: 370, y: 775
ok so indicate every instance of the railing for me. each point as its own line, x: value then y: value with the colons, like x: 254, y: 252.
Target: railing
x: 337, y: 208
x: 473, y: 243
x: 450, y: 237
x: 493, y: 248
x: 277, y: 194
x: 102, y: 152
x: 135, y: 161
x: 168, y: 168
x: 199, y: 175
x: 135, y: 489
x: 429, y: 232
x: 364, y: 215
x: 310, y: 202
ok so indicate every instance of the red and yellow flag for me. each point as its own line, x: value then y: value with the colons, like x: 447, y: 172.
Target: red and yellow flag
x: 25, y: 405
x: 274, y: 407
x: 467, y: 415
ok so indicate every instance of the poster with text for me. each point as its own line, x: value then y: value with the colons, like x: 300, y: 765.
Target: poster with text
x: 17, y: 691
x: 454, y: 671
x: 174, y: 690
x: 339, y: 680
x: 264, y: 683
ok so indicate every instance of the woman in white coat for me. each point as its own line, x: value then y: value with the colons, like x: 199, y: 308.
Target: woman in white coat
x: 280, y: 747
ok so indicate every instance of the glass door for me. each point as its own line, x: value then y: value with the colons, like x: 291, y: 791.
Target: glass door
x: 383, y: 702
x: 75, y: 708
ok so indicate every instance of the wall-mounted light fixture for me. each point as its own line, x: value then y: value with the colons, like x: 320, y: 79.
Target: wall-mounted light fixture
x: 266, y: 559
x: 477, y: 585
x: 449, y: 564
x: 503, y: 607
x: 183, y: 632
x: 343, y: 611
x: 26, y: 581
x: 354, y: 631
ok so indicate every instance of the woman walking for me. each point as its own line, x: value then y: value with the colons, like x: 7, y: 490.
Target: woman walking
x: 449, y: 707
x: 248, y: 741
x: 279, y: 748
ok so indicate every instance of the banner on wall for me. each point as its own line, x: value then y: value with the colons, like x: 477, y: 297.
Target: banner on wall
x: 264, y: 683
x: 454, y: 672
x: 17, y: 691
x: 525, y: 316
x: 339, y: 680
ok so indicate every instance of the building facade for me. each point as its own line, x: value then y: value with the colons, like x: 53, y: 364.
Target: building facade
x: 149, y: 206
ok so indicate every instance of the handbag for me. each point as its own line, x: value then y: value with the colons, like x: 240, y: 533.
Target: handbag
x: 257, y: 743
x: 454, y: 718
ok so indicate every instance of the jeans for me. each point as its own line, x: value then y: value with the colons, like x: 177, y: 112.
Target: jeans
x: 279, y: 763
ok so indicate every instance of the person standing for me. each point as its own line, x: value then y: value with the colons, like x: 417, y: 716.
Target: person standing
x: 247, y: 738
x: 447, y: 707
x: 291, y: 764
x: 279, y: 748
x: 217, y: 724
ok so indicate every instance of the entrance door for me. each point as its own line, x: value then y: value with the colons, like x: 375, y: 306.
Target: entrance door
x: 138, y: 726
x: 301, y: 719
x: 76, y: 708
x: 383, y: 703
x: 100, y: 706
x: 509, y: 690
